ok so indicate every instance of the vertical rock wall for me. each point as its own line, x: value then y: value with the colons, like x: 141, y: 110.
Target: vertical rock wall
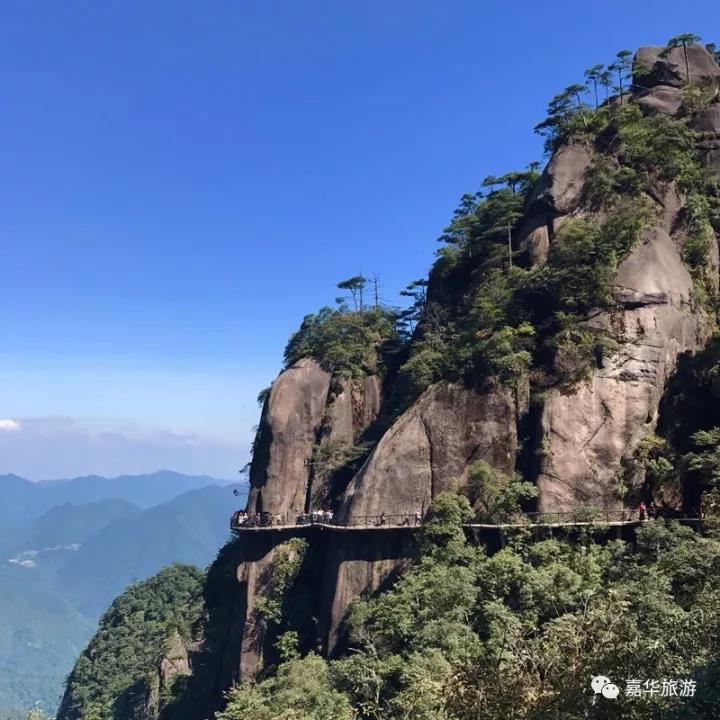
x: 291, y: 419
x: 591, y: 430
x: 429, y: 448
x: 586, y: 433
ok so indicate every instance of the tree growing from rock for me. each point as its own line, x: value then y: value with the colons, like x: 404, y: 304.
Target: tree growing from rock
x: 417, y: 292
x: 594, y: 75
x: 563, y: 109
x: 606, y: 79
x: 623, y: 67
x: 684, y: 40
x: 355, y: 285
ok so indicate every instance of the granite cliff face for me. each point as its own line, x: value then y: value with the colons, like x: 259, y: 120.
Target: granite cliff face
x: 302, y: 413
x: 575, y: 440
x: 590, y: 433
x: 291, y: 418
x: 429, y: 448
x: 583, y: 435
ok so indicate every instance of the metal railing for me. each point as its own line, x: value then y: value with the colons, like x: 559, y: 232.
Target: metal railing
x: 576, y: 516
x: 242, y: 521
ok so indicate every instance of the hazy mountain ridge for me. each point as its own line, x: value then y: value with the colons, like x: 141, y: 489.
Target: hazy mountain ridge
x: 95, y: 536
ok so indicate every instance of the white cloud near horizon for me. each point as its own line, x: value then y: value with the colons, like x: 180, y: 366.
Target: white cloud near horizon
x: 64, y: 418
x: 45, y: 448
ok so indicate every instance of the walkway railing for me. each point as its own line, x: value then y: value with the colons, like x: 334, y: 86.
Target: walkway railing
x: 241, y: 521
x: 577, y: 516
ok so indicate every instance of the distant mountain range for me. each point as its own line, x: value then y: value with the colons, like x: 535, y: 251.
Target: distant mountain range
x: 68, y: 547
x: 23, y: 499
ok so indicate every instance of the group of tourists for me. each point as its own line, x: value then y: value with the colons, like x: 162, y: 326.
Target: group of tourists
x: 322, y: 517
x: 243, y: 519
x: 265, y: 519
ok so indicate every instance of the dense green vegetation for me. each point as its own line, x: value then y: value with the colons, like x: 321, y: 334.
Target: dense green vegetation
x: 350, y: 343
x: 115, y: 671
x: 518, y: 634
x: 41, y: 635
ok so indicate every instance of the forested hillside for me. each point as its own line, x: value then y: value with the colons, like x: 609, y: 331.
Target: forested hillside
x: 62, y: 567
x: 516, y: 634
x: 117, y: 674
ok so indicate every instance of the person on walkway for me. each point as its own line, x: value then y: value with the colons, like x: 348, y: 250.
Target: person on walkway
x: 643, y: 511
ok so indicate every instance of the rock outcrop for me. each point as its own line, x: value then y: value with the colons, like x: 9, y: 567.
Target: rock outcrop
x: 590, y: 432
x: 663, y: 99
x: 661, y: 68
x: 428, y: 450
x: 291, y: 420
x: 355, y: 407
x: 585, y: 435
x: 301, y: 412
x: 358, y: 569
x: 708, y: 126
x: 175, y: 664
x: 561, y: 186
x: 558, y: 194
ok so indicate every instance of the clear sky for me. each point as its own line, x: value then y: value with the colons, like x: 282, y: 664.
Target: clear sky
x: 181, y: 182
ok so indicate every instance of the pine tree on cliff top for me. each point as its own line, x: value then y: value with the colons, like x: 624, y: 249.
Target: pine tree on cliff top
x: 683, y: 40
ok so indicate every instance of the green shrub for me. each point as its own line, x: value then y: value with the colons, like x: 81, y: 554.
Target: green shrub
x: 331, y: 454
x: 348, y: 344
x: 495, y: 495
x: 278, y: 579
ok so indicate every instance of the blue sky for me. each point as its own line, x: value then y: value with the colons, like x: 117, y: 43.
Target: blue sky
x: 182, y: 181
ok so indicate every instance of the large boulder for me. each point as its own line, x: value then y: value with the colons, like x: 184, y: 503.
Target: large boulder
x: 533, y: 239
x: 590, y: 433
x: 289, y: 427
x: 660, y: 68
x: 663, y: 99
x: 560, y: 189
x: 708, y: 127
x: 429, y: 448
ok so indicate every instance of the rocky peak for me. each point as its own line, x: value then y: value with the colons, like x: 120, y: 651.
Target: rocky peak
x: 662, y: 68
x: 290, y: 422
x: 306, y: 412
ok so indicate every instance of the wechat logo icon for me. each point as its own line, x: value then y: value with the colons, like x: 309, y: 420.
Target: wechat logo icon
x: 602, y: 685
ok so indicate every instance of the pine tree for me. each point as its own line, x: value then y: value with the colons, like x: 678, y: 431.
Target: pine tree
x: 355, y: 285
x: 683, y: 40
x: 594, y: 75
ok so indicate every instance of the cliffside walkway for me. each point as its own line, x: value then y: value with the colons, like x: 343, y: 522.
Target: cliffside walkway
x: 581, y: 517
